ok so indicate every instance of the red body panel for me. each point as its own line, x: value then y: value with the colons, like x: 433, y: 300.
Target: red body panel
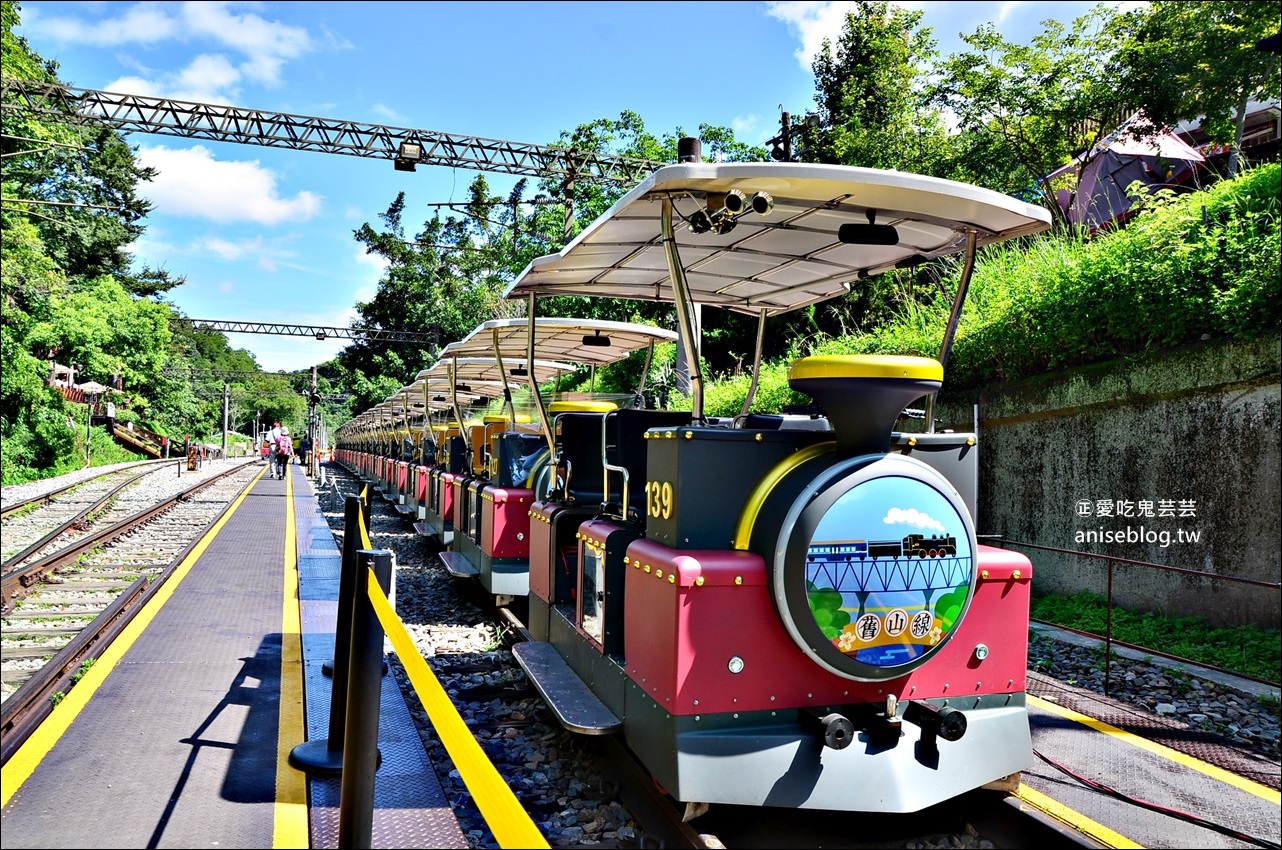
x: 505, y: 522
x: 446, y: 499
x: 689, y: 612
x: 541, y: 544
x: 420, y: 490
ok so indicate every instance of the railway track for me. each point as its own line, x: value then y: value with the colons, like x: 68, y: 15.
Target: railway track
x: 35, y: 523
x: 22, y: 505
x: 69, y: 597
x: 580, y: 789
x: 466, y: 641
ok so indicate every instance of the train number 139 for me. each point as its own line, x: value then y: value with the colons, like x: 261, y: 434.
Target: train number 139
x: 658, y: 497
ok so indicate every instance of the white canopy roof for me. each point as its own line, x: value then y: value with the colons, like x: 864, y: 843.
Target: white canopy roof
x: 780, y: 261
x: 559, y: 339
x: 474, y: 370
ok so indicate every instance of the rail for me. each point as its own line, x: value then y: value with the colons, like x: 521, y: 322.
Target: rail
x: 1111, y: 561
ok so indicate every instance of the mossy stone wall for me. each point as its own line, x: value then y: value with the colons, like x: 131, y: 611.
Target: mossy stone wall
x: 1185, y: 441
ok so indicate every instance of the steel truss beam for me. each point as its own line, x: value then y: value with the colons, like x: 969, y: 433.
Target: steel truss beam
x: 128, y: 112
x: 315, y: 331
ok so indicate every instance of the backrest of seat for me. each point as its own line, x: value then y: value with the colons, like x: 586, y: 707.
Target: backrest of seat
x: 626, y: 446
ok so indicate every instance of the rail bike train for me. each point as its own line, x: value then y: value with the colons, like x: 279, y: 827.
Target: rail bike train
x: 774, y: 609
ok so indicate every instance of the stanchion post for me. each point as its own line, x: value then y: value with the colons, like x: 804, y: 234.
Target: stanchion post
x: 326, y: 755
x: 364, y: 687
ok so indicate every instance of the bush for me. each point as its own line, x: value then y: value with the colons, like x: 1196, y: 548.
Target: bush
x: 1204, y: 263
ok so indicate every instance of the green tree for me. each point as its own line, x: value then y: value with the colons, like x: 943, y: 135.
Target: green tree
x: 874, y: 108
x: 75, y: 180
x: 1033, y: 108
x: 109, y: 332
x: 1179, y: 61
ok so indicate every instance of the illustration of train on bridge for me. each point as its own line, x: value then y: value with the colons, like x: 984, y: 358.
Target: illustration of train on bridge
x: 911, y: 546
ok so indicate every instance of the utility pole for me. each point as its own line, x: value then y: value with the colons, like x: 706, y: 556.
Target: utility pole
x: 782, y: 150
x: 226, y: 402
x: 92, y: 400
x: 311, y: 425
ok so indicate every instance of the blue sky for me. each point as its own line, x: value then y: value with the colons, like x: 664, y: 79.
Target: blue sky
x: 265, y: 235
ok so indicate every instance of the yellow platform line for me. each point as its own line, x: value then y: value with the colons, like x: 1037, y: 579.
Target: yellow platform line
x: 503, y: 812
x: 24, y: 762
x: 1074, y: 819
x: 290, y: 819
x: 1217, y: 773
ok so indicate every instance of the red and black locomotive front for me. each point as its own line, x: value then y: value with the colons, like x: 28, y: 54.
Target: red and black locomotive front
x: 808, y: 619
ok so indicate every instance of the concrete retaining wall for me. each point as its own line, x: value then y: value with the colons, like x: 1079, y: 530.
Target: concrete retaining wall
x: 1184, y: 442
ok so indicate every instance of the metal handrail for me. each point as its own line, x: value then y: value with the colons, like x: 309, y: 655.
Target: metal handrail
x: 1110, y: 560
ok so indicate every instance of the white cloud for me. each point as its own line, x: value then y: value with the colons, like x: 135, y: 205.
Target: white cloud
x: 377, y: 265
x: 912, y: 517
x: 140, y: 24
x: 388, y: 113
x: 742, y: 125
x: 209, y: 78
x: 266, y: 255
x: 811, y: 22
x: 193, y: 184
x: 259, y: 48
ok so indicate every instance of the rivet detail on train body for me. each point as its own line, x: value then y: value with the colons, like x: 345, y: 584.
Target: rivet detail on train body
x: 699, y: 581
x: 689, y: 435
x: 983, y: 574
x: 658, y: 573
x: 738, y: 579
x: 758, y: 437
x: 970, y: 441
x: 1016, y: 575
x: 672, y: 578
x: 647, y: 568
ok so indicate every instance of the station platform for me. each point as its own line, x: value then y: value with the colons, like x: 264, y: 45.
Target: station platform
x: 1124, y: 777
x: 180, y: 733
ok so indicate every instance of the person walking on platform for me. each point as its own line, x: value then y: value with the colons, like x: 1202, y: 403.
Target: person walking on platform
x: 272, y: 436
x: 284, y: 450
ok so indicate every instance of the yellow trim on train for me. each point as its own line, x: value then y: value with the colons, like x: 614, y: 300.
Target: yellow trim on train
x: 751, y: 508
x: 866, y: 366
x: 584, y: 406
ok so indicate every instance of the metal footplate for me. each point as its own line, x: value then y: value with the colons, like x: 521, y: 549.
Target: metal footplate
x: 574, y: 705
x: 406, y: 510
x: 424, y: 529
x: 458, y: 566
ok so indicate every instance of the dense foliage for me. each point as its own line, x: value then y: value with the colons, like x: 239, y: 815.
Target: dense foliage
x: 1187, y: 268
